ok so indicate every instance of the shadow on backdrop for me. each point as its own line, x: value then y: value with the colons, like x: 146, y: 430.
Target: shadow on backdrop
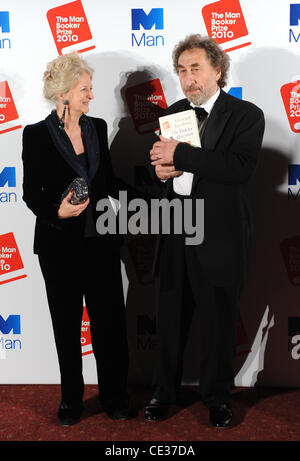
x: 269, y: 298
x: 139, y: 92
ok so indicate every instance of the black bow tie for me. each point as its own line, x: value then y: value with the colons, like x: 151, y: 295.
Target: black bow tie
x: 200, y: 113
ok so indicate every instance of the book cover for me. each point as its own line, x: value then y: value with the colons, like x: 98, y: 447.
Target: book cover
x: 181, y: 126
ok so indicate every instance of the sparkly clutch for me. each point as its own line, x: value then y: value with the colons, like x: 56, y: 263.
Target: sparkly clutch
x: 80, y: 191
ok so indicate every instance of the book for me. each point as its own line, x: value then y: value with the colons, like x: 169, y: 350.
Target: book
x: 181, y: 126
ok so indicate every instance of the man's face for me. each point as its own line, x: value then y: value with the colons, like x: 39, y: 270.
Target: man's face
x: 198, y: 78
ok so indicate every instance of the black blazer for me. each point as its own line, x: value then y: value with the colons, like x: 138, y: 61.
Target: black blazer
x: 49, y: 169
x: 222, y: 170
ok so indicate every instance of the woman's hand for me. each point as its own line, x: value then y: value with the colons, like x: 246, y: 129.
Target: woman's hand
x: 67, y: 210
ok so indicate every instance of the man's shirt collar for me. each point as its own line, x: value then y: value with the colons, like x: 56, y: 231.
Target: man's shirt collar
x: 208, y: 105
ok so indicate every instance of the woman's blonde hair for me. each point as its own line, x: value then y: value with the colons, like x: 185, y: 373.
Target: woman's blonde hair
x: 62, y: 74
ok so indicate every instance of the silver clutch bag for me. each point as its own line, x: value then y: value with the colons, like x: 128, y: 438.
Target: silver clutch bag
x: 80, y: 191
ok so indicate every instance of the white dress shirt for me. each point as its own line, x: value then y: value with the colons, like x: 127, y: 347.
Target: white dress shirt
x: 182, y: 185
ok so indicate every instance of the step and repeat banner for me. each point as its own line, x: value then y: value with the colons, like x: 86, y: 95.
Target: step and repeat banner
x: 129, y: 45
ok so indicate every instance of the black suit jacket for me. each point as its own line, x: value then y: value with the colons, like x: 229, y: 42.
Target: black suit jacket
x: 48, y: 171
x: 222, y: 170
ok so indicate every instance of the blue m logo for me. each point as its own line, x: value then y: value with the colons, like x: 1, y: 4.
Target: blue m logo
x: 4, y: 21
x: 293, y: 174
x: 8, y: 175
x: 12, y: 323
x: 294, y: 14
x: 140, y: 18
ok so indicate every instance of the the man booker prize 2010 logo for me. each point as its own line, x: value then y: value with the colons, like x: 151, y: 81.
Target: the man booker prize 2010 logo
x: 146, y: 102
x: 290, y: 93
x: 70, y: 28
x: 155, y: 18
x: 11, y: 264
x: 290, y: 251
x: 8, y: 110
x: 225, y: 23
x: 154, y: 220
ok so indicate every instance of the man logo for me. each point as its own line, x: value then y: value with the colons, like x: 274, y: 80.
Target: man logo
x: 12, y: 323
x: 154, y: 18
x: 8, y: 179
x: 140, y: 18
x: 293, y: 180
x: 294, y: 14
x: 5, y: 29
x: 8, y: 176
x: 236, y: 91
x: 294, y: 21
x: 293, y: 175
x: 4, y: 21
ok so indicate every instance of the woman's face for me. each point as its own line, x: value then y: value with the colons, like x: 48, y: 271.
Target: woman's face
x: 81, y: 94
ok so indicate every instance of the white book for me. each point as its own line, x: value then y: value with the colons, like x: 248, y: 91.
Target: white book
x: 181, y: 126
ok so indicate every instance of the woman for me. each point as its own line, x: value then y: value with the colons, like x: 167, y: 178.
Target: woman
x: 75, y: 260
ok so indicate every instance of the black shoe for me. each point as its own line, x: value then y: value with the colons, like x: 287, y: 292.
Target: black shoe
x: 118, y: 409
x: 156, y: 410
x: 68, y: 416
x: 220, y: 416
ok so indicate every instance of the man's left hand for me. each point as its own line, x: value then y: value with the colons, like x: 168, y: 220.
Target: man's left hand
x: 162, y: 152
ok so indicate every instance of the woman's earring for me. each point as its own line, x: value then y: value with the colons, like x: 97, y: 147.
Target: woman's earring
x: 62, y: 119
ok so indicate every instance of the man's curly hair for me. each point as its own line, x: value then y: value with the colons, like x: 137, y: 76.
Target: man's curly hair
x: 217, y: 58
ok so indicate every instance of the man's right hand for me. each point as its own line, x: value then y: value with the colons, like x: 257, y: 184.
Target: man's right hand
x: 164, y: 172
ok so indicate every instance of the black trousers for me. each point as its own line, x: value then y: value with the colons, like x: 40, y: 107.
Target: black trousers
x: 88, y: 268
x: 218, y: 309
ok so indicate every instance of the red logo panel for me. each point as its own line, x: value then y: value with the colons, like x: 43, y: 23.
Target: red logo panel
x: 146, y: 103
x: 224, y: 21
x: 8, y: 110
x: 69, y: 26
x: 290, y: 250
x: 290, y: 93
x: 10, y: 258
x: 86, y: 342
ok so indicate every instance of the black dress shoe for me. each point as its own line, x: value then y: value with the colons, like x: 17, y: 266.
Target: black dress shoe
x: 220, y: 416
x: 68, y: 416
x: 156, y: 410
x: 118, y: 408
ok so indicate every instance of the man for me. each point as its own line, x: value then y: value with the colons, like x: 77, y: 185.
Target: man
x: 208, y: 276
